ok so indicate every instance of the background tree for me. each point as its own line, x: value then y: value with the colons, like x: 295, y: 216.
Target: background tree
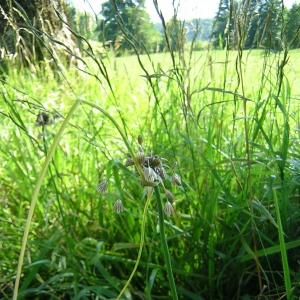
x: 224, y: 24
x: 269, y: 24
x: 136, y: 21
x: 292, y: 29
x: 259, y: 20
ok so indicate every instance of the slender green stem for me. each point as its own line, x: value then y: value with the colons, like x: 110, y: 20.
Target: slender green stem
x: 36, y: 193
x: 164, y: 243
x: 286, y: 270
x: 140, y: 249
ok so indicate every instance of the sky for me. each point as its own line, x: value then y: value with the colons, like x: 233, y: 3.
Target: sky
x: 188, y: 9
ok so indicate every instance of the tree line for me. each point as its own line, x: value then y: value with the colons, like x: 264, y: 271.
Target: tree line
x: 251, y: 23
x: 257, y: 24
x: 123, y: 25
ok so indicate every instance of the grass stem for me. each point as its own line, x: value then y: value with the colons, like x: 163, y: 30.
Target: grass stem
x: 36, y: 193
x: 164, y: 243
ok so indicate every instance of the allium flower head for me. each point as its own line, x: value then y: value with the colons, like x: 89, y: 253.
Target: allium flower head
x: 152, y: 171
x: 44, y: 119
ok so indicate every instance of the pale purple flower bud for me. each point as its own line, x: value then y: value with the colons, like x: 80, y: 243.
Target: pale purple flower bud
x: 102, y: 187
x: 176, y: 180
x: 118, y: 206
x: 169, y: 195
x: 169, y: 209
x: 150, y: 175
x: 141, y: 157
x: 155, y: 161
x: 149, y: 190
x: 162, y: 173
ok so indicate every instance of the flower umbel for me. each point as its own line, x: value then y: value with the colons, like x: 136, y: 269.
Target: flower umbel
x: 152, y: 171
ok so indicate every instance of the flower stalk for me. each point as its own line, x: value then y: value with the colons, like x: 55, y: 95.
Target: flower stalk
x: 164, y: 243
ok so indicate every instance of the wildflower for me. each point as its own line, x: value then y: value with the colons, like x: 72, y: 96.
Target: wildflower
x: 176, y: 180
x: 149, y: 190
x: 102, y: 187
x: 118, y: 206
x: 169, y: 195
x: 169, y: 209
x: 150, y: 175
x: 152, y: 171
x: 154, y: 161
x: 42, y: 119
x: 162, y: 173
x: 141, y: 157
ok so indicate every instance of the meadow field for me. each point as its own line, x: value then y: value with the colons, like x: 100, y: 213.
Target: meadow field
x: 230, y: 119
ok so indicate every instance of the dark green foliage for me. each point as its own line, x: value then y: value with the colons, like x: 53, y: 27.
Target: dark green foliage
x: 255, y: 23
x: 136, y: 22
x: 292, y: 29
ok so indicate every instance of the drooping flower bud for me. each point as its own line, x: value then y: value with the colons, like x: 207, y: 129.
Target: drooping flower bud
x: 141, y: 157
x: 169, y: 195
x: 149, y: 190
x: 154, y: 161
x: 176, y: 180
x: 102, y: 187
x: 162, y: 173
x: 118, y: 206
x: 169, y: 209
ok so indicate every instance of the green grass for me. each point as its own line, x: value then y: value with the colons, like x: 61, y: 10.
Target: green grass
x: 78, y: 248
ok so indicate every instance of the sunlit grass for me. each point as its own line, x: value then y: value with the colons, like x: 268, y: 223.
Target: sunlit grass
x: 78, y: 247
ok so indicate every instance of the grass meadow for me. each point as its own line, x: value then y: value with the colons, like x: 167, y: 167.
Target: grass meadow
x: 231, y: 121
